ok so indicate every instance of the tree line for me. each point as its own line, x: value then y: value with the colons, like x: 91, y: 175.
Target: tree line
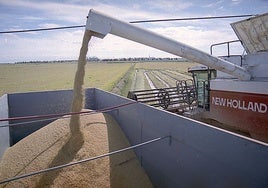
x: 96, y: 59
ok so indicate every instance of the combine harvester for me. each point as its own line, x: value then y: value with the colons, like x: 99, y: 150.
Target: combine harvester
x: 188, y: 153
x: 235, y: 96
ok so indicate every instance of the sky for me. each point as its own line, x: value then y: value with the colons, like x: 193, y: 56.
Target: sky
x: 65, y: 44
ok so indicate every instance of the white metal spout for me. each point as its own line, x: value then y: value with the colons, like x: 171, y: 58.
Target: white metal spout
x: 101, y: 24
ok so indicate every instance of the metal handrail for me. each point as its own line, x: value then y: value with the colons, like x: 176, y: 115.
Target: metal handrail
x: 222, y: 43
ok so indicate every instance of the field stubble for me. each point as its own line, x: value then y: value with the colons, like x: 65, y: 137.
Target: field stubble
x: 162, y: 73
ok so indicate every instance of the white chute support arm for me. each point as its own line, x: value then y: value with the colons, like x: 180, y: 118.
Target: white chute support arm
x: 102, y: 24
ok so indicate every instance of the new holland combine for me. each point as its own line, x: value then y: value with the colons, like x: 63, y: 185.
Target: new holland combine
x: 231, y: 90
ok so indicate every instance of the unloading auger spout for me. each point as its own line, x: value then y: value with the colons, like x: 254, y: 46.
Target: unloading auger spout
x: 100, y: 25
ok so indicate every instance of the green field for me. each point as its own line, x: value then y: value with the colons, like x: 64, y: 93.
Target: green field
x: 115, y: 77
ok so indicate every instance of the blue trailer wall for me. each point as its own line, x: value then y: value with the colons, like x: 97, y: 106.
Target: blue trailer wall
x: 4, y: 129
x: 199, y: 155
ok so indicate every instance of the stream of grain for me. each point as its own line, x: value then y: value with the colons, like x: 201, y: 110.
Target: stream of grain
x: 78, y: 96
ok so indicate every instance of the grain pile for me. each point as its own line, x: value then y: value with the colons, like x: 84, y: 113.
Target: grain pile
x: 45, y: 147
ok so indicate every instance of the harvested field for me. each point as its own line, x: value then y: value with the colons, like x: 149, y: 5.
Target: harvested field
x: 158, y: 83
x: 181, y: 67
x: 139, y: 82
x: 178, y: 75
x: 161, y: 74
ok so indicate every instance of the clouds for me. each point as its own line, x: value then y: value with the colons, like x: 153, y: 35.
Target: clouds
x: 236, y: 2
x: 55, y: 45
x: 50, y: 10
x: 168, y: 5
x: 214, y: 4
x: 76, y: 13
x: 65, y: 44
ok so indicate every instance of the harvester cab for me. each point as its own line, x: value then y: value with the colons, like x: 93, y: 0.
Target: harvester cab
x: 201, y: 78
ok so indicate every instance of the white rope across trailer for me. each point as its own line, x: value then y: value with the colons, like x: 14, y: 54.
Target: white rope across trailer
x: 84, y: 160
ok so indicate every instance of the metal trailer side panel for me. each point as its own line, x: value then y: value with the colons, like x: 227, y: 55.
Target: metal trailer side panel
x: 30, y: 104
x: 4, y: 131
x: 39, y: 103
x: 35, y: 103
x: 198, y: 156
